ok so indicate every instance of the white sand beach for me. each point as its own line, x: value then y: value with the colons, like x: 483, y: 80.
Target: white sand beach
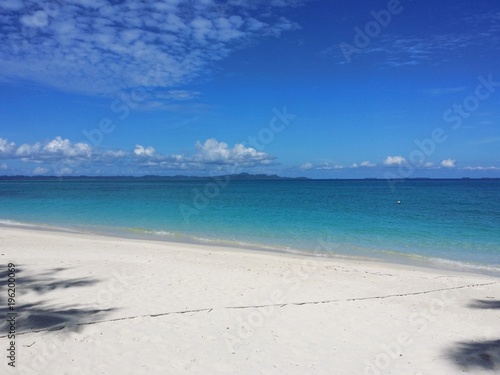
x: 90, y: 304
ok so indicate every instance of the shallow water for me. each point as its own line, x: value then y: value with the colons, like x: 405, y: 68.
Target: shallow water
x: 454, y: 222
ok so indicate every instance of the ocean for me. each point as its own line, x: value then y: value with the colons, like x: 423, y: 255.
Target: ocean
x: 443, y: 223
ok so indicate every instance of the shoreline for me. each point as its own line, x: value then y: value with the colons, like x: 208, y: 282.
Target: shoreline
x: 211, y: 309
x: 383, y: 257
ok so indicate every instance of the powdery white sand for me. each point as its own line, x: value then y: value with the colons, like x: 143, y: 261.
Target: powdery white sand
x: 100, y: 305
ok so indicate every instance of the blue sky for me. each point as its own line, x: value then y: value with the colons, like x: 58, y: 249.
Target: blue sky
x: 325, y: 89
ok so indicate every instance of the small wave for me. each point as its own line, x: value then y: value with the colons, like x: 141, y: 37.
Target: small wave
x: 437, y: 262
x: 154, y: 232
x: 13, y: 222
x: 41, y: 226
x: 193, y: 239
x: 467, y: 266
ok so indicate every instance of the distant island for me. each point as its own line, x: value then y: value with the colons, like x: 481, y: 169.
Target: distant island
x: 240, y: 176
x: 234, y: 177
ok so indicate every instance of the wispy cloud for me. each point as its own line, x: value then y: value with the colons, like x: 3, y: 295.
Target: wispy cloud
x: 79, y: 156
x: 481, y: 168
x: 332, y: 166
x: 441, y: 91
x: 367, y: 164
x: 329, y: 166
x: 40, y: 170
x: 363, y: 164
x: 103, y: 46
x: 179, y: 95
x: 403, y: 50
x: 396, y: 50
x: 306, y: 166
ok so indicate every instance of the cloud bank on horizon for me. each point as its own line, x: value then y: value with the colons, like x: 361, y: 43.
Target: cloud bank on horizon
x: 82, y: 158
x: 62, y: 157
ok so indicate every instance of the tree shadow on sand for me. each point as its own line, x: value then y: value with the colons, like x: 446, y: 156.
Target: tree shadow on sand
x: 478, y: 354
x: 44, y: 315
x: 484, y: 304
x: 481, y: 354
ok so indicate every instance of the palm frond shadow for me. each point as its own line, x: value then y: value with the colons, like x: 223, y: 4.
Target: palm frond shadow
x: 478, y: 354
x: 45, y: 314
x: 481, y: 354
x: 484, y: 304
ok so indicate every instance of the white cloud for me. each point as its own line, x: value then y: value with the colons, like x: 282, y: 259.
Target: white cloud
x: 429, y: 164
x: 306, y: 166
x: 328, y: 166
x: 28, y: 150
x: 395, y: 160
x: 6, y: 147
x: 283, y: 25
x: 104, y: 46
x: 216, y: 152
x: 114, y: 154
x: 40, y: 170
x: 55, y: 149
x: 448, y: 163
x: 4, y: 166
x: 212, y: 150
x: 65, y: 147
x: 141, y: 151
x: 367, y: 164
x: 61, y: 171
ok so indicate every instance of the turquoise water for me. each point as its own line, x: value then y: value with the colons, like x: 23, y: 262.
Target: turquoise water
x: 444, y: 221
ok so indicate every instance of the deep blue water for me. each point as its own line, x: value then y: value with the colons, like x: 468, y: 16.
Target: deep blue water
x: 440, y: 220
